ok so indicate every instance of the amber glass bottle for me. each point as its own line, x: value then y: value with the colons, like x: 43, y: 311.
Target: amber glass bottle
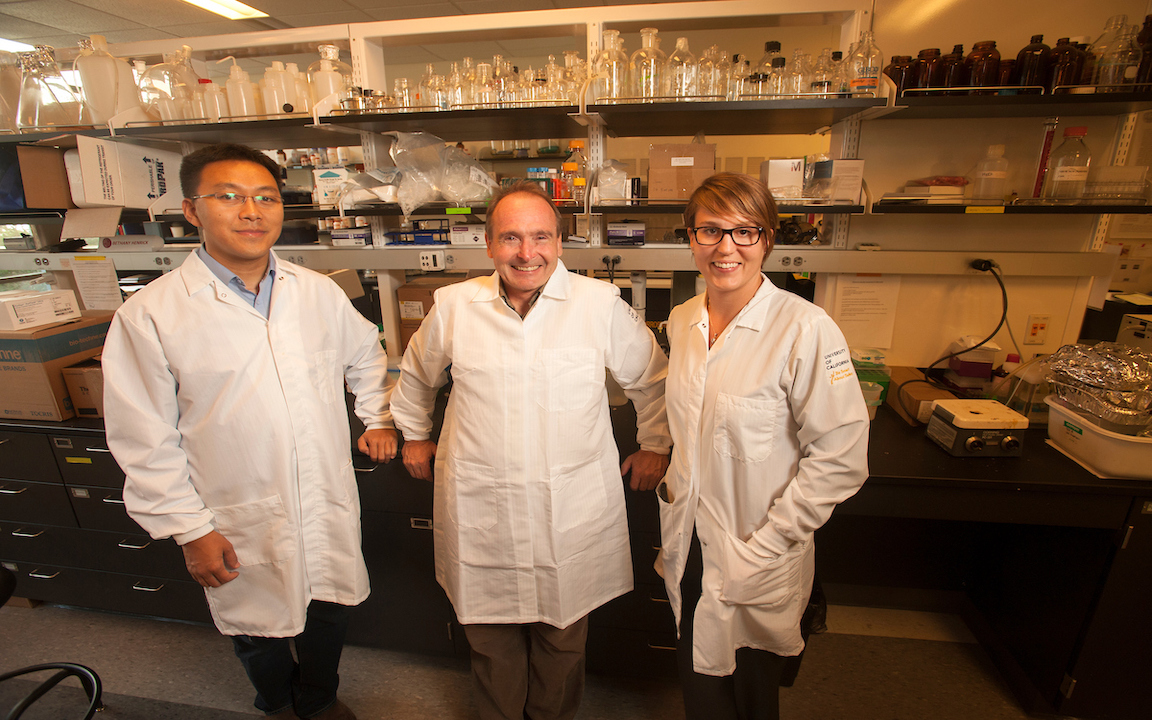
x: 983, y: 66
x: 926, y: 69
x: 954, y: 71
x: 1033, y: 64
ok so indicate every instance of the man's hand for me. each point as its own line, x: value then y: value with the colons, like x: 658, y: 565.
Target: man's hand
x: 378, y: 444
x: 647, y: 468
x: 211, y: 560
x: 418, y: 456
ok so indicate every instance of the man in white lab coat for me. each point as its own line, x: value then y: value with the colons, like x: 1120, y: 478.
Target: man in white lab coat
x: 529, y: 515
x: 224, y: 404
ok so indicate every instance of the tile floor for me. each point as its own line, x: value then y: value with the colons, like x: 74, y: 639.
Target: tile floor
x: 872, y: 664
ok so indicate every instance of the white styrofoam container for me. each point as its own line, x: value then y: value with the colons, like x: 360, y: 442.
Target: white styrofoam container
x: 1107, y: 453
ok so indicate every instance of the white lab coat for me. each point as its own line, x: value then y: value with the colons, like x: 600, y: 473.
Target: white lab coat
x: 529, y: 515
x: 770, y: 433
x: 224, y: 420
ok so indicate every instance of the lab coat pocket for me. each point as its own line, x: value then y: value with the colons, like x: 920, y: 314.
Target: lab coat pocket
x: 257, y: 530
x: 578, y: 494
x: 751, y: 579
x: 476, y: 494
x: 745, y: 428
x: 573, y: 378
x: 326, y: 377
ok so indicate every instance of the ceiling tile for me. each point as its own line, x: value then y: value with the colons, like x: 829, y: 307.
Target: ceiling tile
x: 152, y: 12
x: 477, y: 7
x: 350, y: 15
x: 15, y: 28
x: 408, y: 11
x: 68, y: 16
x: 281, y: 8
x: 138, y: 35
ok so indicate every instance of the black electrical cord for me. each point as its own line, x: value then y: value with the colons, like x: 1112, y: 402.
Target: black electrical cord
x: 988, y: 266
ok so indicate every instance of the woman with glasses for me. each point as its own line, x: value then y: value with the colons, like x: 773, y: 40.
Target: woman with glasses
x: 770, y: 433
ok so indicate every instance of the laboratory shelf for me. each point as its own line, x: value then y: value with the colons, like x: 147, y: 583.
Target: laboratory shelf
x: 913, y: 208
x: 744, y: 117
x: 664, y: 207
x: 266, y: 134
x: 931, y: 107
x: 469, y: 125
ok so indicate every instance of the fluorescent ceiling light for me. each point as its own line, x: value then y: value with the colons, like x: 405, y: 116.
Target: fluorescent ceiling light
x: 228, y: 8
x: 13, y: 46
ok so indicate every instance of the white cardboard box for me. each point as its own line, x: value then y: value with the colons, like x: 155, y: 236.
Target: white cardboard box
x: 327, y: 182
x: 472, y: 234
x: 784, y: 177
x: 124, y: 175
x: 22, y: 310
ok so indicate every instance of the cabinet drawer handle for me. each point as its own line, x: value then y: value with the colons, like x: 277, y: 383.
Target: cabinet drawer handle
x: 21, y: 532
x: 365, y: 470
x: 6, y: 491
x: 4, y: 440
x: 661, y: 647
x: 145, y: 588
x: 41, y: 576
x: 129, y: 545
x: 421, y: 523
x: 97, y: 450
x: 113, y: 500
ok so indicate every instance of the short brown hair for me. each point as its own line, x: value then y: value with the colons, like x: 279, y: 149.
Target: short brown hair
x: 735, y: 194
x: 527, y: 187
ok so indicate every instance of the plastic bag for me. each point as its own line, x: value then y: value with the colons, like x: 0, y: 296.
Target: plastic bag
x: 418, y: 158
x: 612, y: 181
x: 464, y: 181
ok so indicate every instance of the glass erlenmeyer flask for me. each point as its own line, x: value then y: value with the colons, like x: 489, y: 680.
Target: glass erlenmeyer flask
x: 46, y: 99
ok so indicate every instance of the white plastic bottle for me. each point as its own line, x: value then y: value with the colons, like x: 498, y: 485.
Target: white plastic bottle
x: 1067, y: 168
x: 990, y: 179
x: 240, y: 91
x: 303, y: 102
x: 215, y: 103
x: 107, y: 83
x: 272, y: 90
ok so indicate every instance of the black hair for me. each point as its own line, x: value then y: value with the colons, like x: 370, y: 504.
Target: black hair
x: 195, y: 162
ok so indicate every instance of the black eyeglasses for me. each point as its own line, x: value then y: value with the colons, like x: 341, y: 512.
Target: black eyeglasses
x: 232, y: 199
x: 708, y: 235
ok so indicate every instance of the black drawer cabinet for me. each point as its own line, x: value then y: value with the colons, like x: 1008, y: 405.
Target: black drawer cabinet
x: 26, y: 456
x: 86, y: 460
x: 389, y: 488
x: 73, y: 547
x: 407, y: 609
x: 121, y: 592
x: 45, y: 503
x: 101, y: 508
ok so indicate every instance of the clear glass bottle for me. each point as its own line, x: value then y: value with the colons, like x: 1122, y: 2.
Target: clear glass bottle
x: 9, y: 89
x: 555, y: 92
x: 401, y: 93
x: 46, y: 99
x: 1119, y: 67
x: 843, y: 88
x: 575, y: 73
x: 165, y: 89
x: 1099, y: 49
x: 796, y: 76
x: 711, y: 71
x: 777, y: 80
x: 330, y: 76
x: 459, y: 91
x: 647, y: 66
x: 682, y: 71
x: 865, y: 65
x: 504, y: 81
x: 822, y: 75
x: 771, y: 52
x: 611, y: 69
x: 484, y: 92
x: 432, y: 94
x: 741, y: 70
x: 990, y: 179
x: 1067, y: 168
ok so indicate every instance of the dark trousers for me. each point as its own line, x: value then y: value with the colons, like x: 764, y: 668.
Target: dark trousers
x: 752, y: 692
x: 308, y: 683
x: 528, y: 672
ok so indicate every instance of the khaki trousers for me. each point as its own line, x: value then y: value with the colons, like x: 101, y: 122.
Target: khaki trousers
x: 532, y: 671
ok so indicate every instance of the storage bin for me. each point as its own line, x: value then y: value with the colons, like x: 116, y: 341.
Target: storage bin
x: 1106, y: 453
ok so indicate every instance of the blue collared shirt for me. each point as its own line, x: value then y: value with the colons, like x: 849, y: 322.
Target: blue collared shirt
x: 261, y: 299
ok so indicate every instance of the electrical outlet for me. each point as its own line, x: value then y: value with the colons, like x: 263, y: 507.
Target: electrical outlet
x: 1037, y: 332
x: 432, y: 260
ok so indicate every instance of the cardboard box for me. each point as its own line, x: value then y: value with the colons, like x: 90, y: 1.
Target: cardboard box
x: 408, y: 328
x: 349, y: 282
x: 784, y: 177
x: 415, y: 298
x: 32, y: 383
x: 27, y: 309
x: 328, y: 182
x: 122, y: 175
x: 85, y: 383
x: 918, y: 396
x: 674, y: 171
x: 33, y: 177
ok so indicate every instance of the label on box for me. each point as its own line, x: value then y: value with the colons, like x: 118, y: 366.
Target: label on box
x: 683, y: 162
x: 411, y: 310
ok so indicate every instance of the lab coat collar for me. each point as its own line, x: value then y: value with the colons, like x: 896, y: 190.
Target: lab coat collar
x: 557, y: 287
x: 197, y: 275
x: 752, y: 315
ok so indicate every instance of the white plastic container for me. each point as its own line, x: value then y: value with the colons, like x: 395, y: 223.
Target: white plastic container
x: 1104, y: 452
